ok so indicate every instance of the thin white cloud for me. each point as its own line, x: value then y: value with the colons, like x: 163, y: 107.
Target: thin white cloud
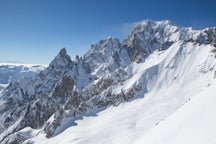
x: 126, y: 28
x: 123, y: 30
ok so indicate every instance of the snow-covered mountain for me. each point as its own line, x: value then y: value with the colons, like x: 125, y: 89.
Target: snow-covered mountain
x: 116, y: 92
x: 12, y: 72
x: 193, y: 123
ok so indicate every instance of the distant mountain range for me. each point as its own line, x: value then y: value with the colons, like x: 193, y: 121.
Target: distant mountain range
x: 126, y: 87
x: 13, y: 72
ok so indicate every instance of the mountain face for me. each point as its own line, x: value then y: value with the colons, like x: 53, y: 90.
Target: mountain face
x: 156, y: 56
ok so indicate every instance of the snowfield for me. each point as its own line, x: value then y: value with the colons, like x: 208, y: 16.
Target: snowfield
x: 194, y: 123
x: 184, y: 81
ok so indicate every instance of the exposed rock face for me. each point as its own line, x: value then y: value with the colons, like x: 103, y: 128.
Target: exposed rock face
x: 211, y: 36
x: 30, y: 102
x: 148, y: 37
x: 68, y: 89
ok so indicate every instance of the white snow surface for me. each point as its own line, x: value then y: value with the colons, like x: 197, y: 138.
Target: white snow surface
x: 194, y: 123
x: 126, y: 124
x: 180, y: 78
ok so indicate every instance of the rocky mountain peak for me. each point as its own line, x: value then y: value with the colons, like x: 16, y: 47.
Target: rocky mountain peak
x: 109, y: 43
x: 102, y: 52
x: 60, y: 62
x: 62, y: 56
x: 149, y: 36
x: 149, y: 25
x: 63, y: 52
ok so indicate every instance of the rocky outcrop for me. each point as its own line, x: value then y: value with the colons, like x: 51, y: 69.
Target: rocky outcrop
x: 148, y: 37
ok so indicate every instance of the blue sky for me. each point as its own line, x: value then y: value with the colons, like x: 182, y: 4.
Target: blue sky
x: 33, y: 31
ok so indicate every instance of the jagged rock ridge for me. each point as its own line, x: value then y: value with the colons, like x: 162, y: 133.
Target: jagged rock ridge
x: 68, y: 89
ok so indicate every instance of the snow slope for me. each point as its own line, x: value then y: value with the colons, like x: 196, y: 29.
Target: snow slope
x: 194, y: 123
x: 173, y: 77
x: 126, y: 124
